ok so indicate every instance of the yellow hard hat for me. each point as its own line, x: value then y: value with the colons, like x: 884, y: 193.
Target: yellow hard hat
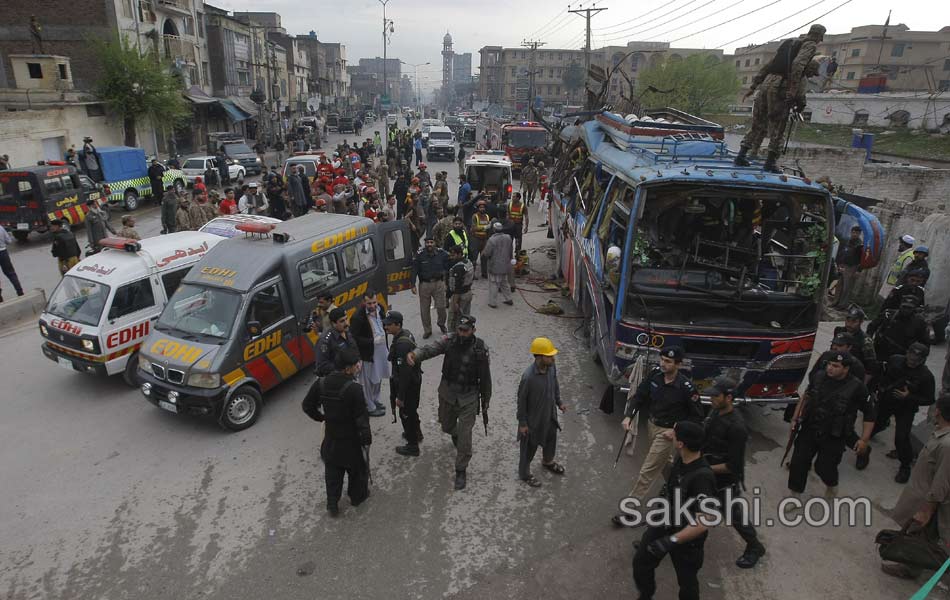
x: 543, y: 346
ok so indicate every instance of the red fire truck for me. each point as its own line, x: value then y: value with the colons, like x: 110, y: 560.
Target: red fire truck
x: 520, y: 140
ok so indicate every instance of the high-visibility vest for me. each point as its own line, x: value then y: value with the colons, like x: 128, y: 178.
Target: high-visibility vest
x: 516, y: 213
x: 902, y: 259
x: 460, y: 240
x: 480, y: 225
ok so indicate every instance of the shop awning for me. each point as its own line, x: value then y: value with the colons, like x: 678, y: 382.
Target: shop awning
x: 244, y: 104
x: 234, y: 113
x: 196, y: 94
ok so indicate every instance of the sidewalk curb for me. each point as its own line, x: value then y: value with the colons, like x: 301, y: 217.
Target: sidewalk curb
x: 17, y: 310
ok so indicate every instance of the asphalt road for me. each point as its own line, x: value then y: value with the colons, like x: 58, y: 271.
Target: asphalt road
x: 106, y: 496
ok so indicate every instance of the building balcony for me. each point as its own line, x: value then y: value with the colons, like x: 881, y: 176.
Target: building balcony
x: 176, y: 48
x: 182, y: 7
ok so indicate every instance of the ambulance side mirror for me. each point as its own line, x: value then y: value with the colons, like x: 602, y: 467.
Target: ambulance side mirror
x: 254, y: 328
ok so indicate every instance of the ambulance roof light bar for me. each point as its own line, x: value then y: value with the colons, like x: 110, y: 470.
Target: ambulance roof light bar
x: 261, y: 228
x: 120, y: 243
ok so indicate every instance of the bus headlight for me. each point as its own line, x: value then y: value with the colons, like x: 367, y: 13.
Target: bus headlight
x: 88, y: 345
x: 204, y: 380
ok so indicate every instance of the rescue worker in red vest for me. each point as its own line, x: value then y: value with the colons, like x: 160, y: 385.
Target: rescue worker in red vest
x: 479, y: 228
x: 519, y: 217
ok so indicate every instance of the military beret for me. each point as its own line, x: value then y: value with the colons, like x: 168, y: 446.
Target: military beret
x: 336, y: 314
x: 722, y: 385
x: 855, y: 312
x: 467, y: 321
x: 844, y: 358
x: 919, y: 349
x: 843, y: 338
x: 674, y: 352
x: 393, y: 316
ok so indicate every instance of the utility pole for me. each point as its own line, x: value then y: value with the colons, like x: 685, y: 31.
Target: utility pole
x: 533, y: 45
x: 588, y: 13
x: 387, y: 28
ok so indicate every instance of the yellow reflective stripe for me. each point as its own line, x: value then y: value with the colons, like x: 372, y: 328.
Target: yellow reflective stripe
x: 282, y: 362
x: 234, y: 376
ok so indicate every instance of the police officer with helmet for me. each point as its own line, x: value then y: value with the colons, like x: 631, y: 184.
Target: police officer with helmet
x: 824, y: 421
x: 466, y: 379
x: 669, y: 396
x: 726, y: 437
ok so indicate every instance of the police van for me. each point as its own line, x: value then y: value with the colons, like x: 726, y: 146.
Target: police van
x: 236, y: 326
x: 102, y: 309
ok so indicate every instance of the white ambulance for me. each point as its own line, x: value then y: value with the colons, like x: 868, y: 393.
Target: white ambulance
x: 98, y: 315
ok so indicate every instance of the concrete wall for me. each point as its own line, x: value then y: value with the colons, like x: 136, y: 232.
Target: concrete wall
x: 926, y: 111
x: 913, y: 200
x: 22, y: 133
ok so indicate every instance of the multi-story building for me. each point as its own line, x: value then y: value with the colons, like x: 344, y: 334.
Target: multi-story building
x: 319, y: 77
x: 338, y: 78
x: 366, y: 87
x: 407, y: 97
x: 624, y: 63
x: 392, y: 74
x: 298, y: 73
x: 508, y: 76
x: 462, y: 68
x: 910, y: 60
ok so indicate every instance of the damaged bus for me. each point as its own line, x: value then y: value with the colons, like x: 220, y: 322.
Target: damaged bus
x: 663, y: 241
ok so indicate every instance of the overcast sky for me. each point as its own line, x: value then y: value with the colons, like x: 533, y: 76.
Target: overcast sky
x: 421, y: 24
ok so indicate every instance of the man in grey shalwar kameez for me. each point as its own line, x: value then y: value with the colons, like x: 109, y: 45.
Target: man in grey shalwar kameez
x: 539, y: 399
x: 367, y: 329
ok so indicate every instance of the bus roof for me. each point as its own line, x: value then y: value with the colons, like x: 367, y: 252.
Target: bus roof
x: 246, y: 260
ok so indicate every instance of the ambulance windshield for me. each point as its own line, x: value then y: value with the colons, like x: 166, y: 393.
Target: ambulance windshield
x: 78, y: 300
x: 196, y: 312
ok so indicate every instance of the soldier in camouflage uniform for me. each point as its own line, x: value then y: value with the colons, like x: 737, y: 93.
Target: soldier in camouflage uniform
x: 529, y: 181
x: 781, y: 87
x: 466, y: 378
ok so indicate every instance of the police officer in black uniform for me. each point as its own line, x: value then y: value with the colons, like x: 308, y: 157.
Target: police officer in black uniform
x: 826, y: 417
x: 913, y: 286
x: 726, y: 437
x: 692, y: 478
x: 332, y: 342
x: 338, y: 401
x: 405, y: 383
x: 669, y: 396
x: 841, y: 343
x: 906, y: 384
x: 895, y: 330
x: 466, y: 379
x: 862, y: 347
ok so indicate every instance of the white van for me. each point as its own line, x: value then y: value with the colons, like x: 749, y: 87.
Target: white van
x: 98, y: 315
x: 392, y: 120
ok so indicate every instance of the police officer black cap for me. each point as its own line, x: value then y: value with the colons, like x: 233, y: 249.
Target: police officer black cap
x: 855, y: 312
x: 722, y: 385
x: 691, y: 434
x: 843, y: 339
x: 467, y: 322
x: 920, y: 349
x: 336, y: 314
x: 393, y: 317
x: 844, y: 358
x: 674, y: 352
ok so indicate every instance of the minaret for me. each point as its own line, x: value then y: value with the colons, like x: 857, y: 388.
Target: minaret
x: 448, y: 85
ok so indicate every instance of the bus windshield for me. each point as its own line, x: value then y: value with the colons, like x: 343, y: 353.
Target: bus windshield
x: 729, y: 257
x: 524, y: 138
x: 196, y: 312
x: 78, y: 300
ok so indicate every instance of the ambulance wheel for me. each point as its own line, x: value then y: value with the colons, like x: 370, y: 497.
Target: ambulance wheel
x: 241, y: 409
x: 130, y: 375
x: 21, y: 236
x: 131, y: 200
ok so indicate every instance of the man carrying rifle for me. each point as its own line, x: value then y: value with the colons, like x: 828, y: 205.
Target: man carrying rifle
x: 404, y: 384
x: 823, y: 425
x: 724, y: 449
x: 906, y: 384
x: 466, y: 380
x: 669, y: 396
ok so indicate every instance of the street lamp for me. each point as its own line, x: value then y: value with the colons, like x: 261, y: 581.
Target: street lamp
x: 416, y: 76
x: 388, y: 28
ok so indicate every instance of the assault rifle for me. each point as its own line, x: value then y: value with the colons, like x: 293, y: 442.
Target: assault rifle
x: 796, y: 428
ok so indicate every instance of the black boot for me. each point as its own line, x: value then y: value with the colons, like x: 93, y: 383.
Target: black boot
x: 741, y: 160
x: 903, y: 474
x: 408, y: 450
x: 460, y: 480
x: 770, y: 166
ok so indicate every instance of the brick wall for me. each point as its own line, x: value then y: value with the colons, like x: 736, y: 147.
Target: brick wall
x: 67, y: 25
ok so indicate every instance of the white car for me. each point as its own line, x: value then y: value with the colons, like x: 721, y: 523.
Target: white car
x: 196, y: 167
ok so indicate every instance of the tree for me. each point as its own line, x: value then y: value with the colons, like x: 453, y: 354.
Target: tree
x: 573, y: 78
x: 136, y: 86
x: 698, y: 84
